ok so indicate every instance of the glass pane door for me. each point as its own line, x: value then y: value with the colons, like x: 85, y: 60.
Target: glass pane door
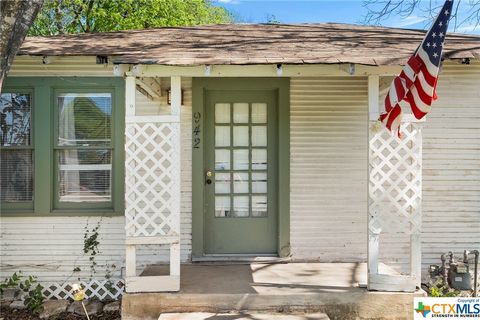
x: 241, y: 144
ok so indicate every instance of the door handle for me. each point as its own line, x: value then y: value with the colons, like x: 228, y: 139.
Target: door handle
x: 208, y: 176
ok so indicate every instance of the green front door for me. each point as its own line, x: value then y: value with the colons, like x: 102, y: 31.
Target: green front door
x: 241, y: 213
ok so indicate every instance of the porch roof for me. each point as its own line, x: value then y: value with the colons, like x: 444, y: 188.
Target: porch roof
x: 246, y: 44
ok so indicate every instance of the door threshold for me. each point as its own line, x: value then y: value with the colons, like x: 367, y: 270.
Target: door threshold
x: 241, y: 258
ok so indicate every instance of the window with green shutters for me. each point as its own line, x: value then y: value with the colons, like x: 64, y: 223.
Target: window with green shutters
x: 62, y: 146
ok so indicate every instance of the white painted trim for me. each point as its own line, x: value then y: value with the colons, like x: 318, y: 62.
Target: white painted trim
x: 176, y: 94
x: 372, y: 253
x: 130, y: 90
x: 152, y: 240
x: 266, y: 70
x: 153, y: 119
x: 373, y: 96
x: 393, y: 283
x: 130, y: 261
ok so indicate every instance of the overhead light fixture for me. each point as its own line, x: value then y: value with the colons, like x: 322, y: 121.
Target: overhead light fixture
x: 208, y: 70
x: 351, y: 69
x: 279, y: 69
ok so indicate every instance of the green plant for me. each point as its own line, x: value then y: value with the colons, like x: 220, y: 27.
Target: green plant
x: 439, y: 291
x: 33, y: 298
x: 34, y: 294
x: 109, y: 270
x: 90, y: 246
x: 11, y: 282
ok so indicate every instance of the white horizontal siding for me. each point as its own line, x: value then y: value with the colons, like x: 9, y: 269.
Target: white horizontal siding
x: 328, y: 162
x: 51, y: 247
x: 328, y: 170
x: 451, y: 165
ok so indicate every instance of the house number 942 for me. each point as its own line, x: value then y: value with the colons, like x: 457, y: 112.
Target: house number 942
x: 196, y: 129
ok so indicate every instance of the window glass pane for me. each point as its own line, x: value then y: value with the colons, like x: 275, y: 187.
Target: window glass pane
x: 222, y: 159
x: 241, y: 206
x: 16, y: 180
x: 84, y: 175
x: 259, y: 159
x: 259, y: 206
x: 222, y: 206
x: 240, y: 182
x: 222, y: 113
x: 240, y: 136
x: 240, y: 112
x: 15, y: 119
x: 84, y: 119
x: 259, y: 112
x: 259, y: 136
x: 222, y: 183
x: 259, y: 182
x: 240, y: 159
x: 222, y: 136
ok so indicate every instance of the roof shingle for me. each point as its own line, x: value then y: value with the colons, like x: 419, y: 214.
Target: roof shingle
x: 243, y: 44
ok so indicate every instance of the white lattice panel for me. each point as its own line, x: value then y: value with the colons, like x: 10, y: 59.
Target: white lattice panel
x: 99, y: 289
x: 395, y: 184
x: 395, y: 199
x: 152, y: 179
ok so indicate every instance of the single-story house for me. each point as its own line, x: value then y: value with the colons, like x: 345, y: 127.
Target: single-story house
x: 232, y: 142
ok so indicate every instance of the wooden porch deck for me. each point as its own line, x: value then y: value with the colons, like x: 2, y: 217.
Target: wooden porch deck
x: 336, y: 289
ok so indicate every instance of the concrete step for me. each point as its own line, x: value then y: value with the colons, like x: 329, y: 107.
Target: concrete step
x: 241, y: 316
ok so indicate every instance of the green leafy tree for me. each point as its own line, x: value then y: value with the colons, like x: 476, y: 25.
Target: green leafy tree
x: 87, y: 16
x: 16, y: 17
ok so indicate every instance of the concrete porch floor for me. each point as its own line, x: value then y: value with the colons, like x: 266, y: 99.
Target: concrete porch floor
x: 333, y: 288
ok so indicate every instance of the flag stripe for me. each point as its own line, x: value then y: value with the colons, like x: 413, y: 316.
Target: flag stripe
x: 421, y: 93
x: 418, y: 108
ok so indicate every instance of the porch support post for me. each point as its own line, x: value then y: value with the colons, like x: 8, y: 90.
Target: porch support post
x: 152, y: 188
x: 417, y: 216
x: 130, y: 96
x: 130, y: 253
x: 176, y: 103
x: 176, y: 94
x: 394, y: 196
x: 373, y: 238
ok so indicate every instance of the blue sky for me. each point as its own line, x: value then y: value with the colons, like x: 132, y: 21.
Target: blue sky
x: 345, y: 11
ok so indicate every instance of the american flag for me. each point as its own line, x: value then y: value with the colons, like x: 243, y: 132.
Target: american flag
x: 416, y: 84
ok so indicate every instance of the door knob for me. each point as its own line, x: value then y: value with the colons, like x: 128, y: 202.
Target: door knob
x: 208, y: 175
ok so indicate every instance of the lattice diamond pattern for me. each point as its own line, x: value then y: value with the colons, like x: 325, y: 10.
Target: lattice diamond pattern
x: 395, y: 184
x: 111, y: 289
x: 152, y: 179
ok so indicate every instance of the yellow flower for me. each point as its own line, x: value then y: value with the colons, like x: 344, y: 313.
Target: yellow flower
x: 79, y: 295
x: 78, y: 292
